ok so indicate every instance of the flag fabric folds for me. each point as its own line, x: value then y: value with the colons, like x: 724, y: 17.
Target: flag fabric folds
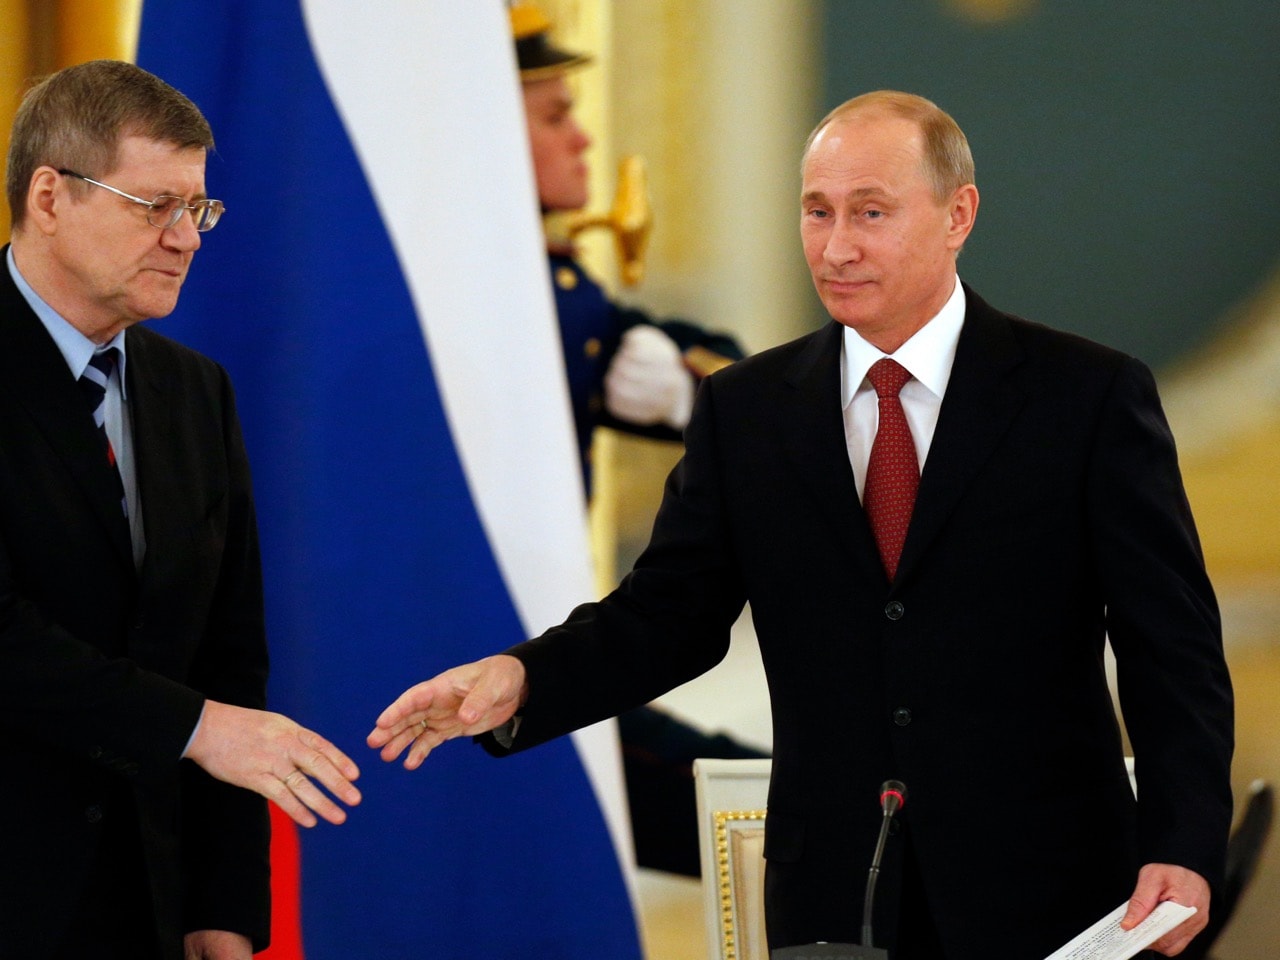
x: 378, y: 293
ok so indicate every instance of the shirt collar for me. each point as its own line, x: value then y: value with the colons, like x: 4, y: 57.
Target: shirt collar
x: 76, y: 349
x: 928, y: 355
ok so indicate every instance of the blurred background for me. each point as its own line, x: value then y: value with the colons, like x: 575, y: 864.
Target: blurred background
x: 1125, y: 156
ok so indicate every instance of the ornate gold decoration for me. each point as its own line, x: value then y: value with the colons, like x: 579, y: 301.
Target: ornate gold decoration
x: 631, y: 219
x: 723, y: 879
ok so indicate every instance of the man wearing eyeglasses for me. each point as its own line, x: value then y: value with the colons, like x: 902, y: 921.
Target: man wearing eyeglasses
x: 131, y: 621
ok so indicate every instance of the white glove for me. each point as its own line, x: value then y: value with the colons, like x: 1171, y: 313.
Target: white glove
x: 647, y: 382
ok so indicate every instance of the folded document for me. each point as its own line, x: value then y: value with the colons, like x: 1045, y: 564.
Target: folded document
x: 1106, y: 941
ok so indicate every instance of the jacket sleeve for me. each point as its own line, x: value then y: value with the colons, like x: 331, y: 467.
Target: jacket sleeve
x: 1163, y: 624
x: 226, y: 832
x: 666, y: 623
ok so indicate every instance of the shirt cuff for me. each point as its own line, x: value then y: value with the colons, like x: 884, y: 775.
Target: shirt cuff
x: 195, y: 729
x: 506, y: 734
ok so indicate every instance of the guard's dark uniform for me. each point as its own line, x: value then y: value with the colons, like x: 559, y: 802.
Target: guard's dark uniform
x: 591, y: 326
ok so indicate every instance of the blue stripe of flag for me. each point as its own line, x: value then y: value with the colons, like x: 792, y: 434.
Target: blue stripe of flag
x: 378, y: 571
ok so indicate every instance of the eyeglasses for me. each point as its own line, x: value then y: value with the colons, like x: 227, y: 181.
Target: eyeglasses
x: 165, y: 212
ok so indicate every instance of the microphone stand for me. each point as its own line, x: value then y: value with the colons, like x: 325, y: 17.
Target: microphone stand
x: 892, y: 796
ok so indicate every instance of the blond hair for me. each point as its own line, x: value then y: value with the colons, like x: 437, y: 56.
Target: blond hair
x: 948, y: 161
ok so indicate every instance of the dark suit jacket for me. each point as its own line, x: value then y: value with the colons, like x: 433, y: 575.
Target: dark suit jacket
x: 104, y: 670
x: 1050, y: 514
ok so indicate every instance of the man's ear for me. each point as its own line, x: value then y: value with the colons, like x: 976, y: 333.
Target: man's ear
x: 44, y: 198
x: 964, y: 213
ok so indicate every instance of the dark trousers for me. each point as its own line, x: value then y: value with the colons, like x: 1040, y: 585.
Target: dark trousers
x: 917, y: 935
x: 115, y: 920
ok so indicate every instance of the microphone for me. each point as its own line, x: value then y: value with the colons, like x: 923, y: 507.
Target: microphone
x: 893, y: 794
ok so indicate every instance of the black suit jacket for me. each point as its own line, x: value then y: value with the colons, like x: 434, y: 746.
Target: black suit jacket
x: 104, y: 669
x: 1050, y: 514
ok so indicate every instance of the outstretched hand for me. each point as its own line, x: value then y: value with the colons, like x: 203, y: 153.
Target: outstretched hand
x: 463, y: 702
x: 1163, y: 881
x: 273, y: 756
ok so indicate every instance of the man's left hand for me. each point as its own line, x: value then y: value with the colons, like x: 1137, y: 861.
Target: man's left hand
x: 217, y: 945
x: 1158, y: 882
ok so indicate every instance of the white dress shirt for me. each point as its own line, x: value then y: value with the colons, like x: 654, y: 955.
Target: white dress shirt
x: 928, y: 356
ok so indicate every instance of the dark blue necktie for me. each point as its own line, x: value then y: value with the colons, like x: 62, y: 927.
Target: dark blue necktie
x: 94, y: 384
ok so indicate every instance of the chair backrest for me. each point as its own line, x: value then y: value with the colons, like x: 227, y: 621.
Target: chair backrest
x: 731, y: 809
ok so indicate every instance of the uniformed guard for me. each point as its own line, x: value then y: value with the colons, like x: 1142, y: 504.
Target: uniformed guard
x: 634, y: 373
x: 626, y: 369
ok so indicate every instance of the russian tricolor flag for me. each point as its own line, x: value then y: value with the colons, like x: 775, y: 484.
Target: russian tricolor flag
x: 378, y: 291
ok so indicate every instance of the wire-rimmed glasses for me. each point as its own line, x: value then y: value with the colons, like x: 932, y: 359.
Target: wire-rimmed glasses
x: 164, y: 212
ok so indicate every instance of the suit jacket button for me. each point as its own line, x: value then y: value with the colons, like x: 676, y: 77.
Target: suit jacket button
x: 902, y: 716
x: 894, y: 610
x: 93, y: 813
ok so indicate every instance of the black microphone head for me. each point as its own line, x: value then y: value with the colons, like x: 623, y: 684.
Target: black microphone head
x: 893, y: 795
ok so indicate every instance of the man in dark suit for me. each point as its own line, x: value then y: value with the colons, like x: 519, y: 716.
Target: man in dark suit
x: 943, y: 627
x: 131, y: 621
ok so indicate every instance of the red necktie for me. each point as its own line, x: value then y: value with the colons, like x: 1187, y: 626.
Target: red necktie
x: 893, y: 472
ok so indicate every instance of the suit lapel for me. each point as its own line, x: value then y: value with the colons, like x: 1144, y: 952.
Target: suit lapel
x: 981, y: 402
x: 816, y: 447
x: 36, y: 373
x: 150, y: 403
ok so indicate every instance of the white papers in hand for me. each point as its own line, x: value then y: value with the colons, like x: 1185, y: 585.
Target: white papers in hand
x: 1106, y: 941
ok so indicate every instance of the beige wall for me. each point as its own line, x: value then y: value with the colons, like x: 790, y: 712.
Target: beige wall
x: 1224, y: 406
x: 709, y: 92
x: 40, y: 36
